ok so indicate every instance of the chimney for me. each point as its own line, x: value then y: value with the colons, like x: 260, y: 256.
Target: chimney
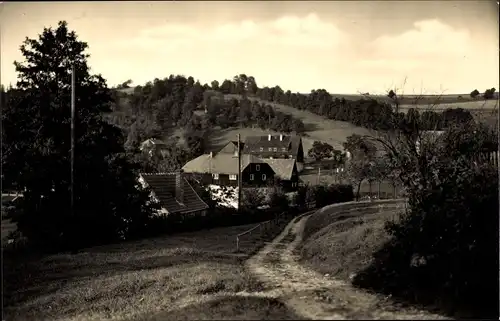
x: 179, y: 186
x: 269, y: 137
x: 281, y: 138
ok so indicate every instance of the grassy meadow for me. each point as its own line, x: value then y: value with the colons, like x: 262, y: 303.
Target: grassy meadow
x: 317, y: 127
x: 179, y: 275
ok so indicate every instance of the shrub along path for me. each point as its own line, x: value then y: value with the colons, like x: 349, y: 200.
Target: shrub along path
x: 312, y: 295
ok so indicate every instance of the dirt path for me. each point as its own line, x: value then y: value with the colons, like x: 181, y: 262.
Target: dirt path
x: 312, y: 295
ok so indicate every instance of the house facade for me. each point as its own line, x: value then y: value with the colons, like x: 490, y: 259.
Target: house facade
x: 174, y: 193
x: 222, y: 169
x: 277, y: 146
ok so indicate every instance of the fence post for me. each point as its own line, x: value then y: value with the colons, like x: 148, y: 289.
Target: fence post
x: 237, y: 243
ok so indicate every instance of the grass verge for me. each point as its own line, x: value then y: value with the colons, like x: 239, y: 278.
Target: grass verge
x: 340, y: 242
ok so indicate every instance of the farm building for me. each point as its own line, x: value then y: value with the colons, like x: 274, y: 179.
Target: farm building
x: 222, y: 169
x: 286, y: 171
x: 271, y: 147
x: 174, y: 193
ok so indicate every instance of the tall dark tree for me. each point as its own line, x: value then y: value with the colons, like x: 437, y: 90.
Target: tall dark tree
x: 474, y: 93
x: 489, y: 93
x: 215, y: 85
x: 36, y: 150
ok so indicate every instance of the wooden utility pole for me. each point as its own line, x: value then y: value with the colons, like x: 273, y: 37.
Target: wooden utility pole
x: 497, y: 153
x: 239, y: 174
x: 72, y: 136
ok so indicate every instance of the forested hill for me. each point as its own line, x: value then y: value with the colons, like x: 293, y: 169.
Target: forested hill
x: 171, y: 102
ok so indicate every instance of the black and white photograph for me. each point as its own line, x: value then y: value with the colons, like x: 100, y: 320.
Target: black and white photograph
x: 249, y: 160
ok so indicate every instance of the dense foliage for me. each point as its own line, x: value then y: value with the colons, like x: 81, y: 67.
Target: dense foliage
x: 366, y: 112
x: 444, y: 248
x: 246, y: 113
x: 160, y: 107
x: 322, y: 195
x: 36, y: 151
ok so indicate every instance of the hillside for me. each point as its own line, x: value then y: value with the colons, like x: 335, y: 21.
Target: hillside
x: 186, y: 275
x: 316, y: 127
x: 423, y: 100
x: 407, y: 101
x: 341, y: 242
x: 201, y: 118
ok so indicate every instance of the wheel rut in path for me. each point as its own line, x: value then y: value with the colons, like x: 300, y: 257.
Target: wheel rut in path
x: 312, y: 295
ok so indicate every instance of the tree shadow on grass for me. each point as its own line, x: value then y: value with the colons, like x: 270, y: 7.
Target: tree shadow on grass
x: 23, y: 281
x: 229, y: 308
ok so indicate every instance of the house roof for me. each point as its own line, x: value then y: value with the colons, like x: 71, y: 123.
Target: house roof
x: 235, y: 143
x: 153, y: 141
x: 219, y: 163
x: 283, y: 168
x: 291, y: 143
x: 163, y: 187
x: 231, y: 147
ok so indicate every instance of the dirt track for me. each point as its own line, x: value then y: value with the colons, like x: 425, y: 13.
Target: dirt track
x: 314, y: 296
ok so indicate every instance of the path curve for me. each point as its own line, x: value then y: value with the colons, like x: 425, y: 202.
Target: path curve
x: 312, y: 295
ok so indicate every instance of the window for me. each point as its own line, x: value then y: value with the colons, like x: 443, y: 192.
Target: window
x: 275, y: 149
x: 284, y: 149
x: 215, y: 176
x: 262, y: 149
x: 263, y: 177
x: 270, y: 149
x: 257, y: 168
x: 232, y: 177
x: 251, y: 177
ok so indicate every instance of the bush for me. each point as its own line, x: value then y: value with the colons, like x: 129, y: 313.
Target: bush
x: 304, y: 196
x: 443, y: 249
x: 278, y: 200
x: 335, y: 193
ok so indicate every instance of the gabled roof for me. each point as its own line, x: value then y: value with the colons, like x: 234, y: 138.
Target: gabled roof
x: 163, y: 187
x: 154, y: 141
x: 263, y: 141
x: 291, y: 143
x: 283, y: 168
x: 220, y: 163
x: 231, y: 147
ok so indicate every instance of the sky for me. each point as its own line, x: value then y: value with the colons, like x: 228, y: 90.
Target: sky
x: 422, y: 47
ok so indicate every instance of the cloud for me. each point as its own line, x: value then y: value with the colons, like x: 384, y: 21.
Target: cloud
x: 428, y: 39
x: 430, y: 53
x: 289, y: 31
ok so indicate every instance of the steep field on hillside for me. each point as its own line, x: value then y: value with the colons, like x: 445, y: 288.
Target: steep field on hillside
x: 181, y: 275
x: 318, y: 127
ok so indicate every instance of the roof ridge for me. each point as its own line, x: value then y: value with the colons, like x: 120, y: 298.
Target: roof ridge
x: 158, y: 173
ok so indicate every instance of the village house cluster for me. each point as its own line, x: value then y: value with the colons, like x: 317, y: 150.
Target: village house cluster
x: 265, y: 161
